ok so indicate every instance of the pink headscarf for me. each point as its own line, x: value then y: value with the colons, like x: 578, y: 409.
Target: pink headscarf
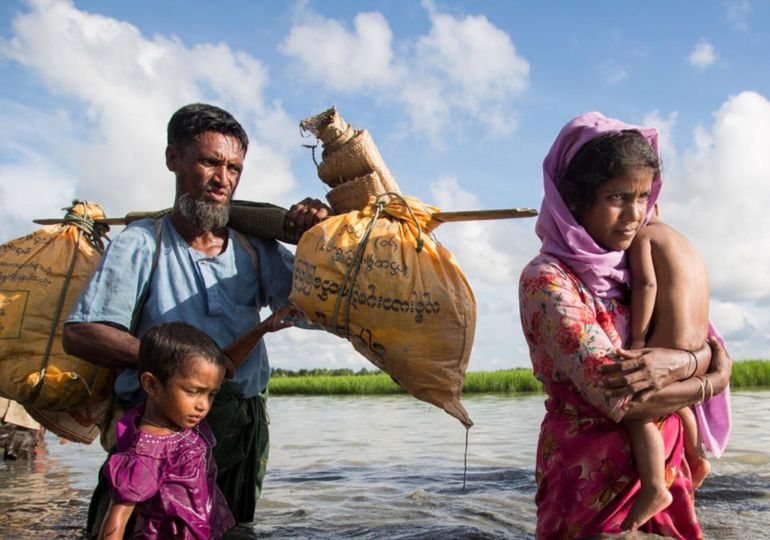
x: 604, y: 272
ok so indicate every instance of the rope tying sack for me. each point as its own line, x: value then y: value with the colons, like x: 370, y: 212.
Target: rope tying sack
x: 92, y: 231
x: 349, y: 280
x: 377, y: 278
x: 392, y: 291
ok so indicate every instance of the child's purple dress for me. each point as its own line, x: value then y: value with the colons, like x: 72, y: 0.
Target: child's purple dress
x: 172, y: 480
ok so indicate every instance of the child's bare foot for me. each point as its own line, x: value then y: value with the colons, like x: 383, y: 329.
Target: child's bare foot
x: 699, y: 467
x: 649, y: 502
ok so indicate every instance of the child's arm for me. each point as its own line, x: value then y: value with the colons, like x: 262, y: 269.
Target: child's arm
x: 239, y: 349
x: 644, y: 287
x: 114, y: 524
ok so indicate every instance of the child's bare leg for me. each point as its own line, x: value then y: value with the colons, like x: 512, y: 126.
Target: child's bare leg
x: 696, y: 457
x: 649, y: 454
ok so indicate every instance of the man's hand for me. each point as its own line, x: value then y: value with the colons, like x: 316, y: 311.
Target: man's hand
x: 307, y: 213
x: 283, y: 317
x: 229, y: 368
x: 239, y: 349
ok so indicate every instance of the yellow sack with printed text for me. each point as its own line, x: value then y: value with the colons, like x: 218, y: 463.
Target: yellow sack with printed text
x: 41, y: 276
x: 378, y: 278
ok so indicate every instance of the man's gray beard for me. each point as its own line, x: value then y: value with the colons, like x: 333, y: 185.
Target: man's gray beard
x: 202, y: 215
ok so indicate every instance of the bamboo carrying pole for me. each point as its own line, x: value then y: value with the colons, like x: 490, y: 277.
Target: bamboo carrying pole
x: 446, y: 217
x: 103, y: 221
x: 480, y: 215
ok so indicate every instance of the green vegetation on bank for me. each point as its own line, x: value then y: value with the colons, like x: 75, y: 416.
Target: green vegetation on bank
x: 750, y: 374
x: 746, y: 374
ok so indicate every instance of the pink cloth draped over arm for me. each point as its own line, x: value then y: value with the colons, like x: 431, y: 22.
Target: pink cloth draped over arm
x: 714, y: 415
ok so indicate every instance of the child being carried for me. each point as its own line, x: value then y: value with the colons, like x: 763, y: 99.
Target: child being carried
x: 669, y: 308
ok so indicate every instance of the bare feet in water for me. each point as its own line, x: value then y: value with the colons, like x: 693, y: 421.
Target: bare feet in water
x: 699, y: 468
x: 650, y: 501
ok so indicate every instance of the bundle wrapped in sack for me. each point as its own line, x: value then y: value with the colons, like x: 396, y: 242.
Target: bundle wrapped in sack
x: 375, y: 275
x: 41, y: 276
x: 351, y: 163
x: 260, y: 219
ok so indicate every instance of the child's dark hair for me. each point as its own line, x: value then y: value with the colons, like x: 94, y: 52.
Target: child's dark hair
x: 601, y: 159
x: 165, y: 350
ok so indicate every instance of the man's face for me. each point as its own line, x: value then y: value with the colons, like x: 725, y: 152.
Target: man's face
x: 207, y: 170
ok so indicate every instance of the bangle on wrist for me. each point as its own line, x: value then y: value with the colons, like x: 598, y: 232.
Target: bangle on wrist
x: 702, y: 380
x: 694, y: 357
x: 710, y: 388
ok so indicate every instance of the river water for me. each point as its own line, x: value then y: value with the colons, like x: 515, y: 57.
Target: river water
x: 392, y: 467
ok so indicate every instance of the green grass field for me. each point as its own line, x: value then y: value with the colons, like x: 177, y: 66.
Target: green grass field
x: 746, y: 374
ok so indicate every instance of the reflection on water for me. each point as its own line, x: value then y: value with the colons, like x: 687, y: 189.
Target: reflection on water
x: 392, y: 467
x: 43, y: 498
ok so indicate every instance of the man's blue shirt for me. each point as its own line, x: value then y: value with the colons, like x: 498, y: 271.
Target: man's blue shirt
x: 221, y: 295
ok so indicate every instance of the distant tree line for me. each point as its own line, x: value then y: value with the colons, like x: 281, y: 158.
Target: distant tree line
x: 322, y: 372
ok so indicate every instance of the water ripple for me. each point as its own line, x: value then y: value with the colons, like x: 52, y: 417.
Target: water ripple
x: 400, y: 477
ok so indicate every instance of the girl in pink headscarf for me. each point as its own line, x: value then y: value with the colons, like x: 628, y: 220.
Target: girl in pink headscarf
x: 601, y: 182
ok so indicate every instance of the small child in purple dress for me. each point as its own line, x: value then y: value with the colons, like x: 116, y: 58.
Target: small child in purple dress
x: 163, y: 471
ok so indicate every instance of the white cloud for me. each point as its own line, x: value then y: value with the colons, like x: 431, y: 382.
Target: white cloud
x: 717, y: 194
x: 488, y: 251
x: 665, y: 127
x: 729, y: 171
x: 617, y: 76
x: 491, y: 254
x: 32, y: 189
x: 477, y: 64
x: 341, y: 59
x: 296, y: 348
x: 122, y: 87
x: 744, y: 328
x: 737, y: 13
x: 703, y: 55
x: 732, y: 320
x: 464, y: 68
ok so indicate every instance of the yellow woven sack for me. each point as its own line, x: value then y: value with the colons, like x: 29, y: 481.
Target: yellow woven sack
x: 377, y: 278
x: 41, y: 276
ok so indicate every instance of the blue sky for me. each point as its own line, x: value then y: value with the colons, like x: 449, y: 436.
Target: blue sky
x: 462, y: 98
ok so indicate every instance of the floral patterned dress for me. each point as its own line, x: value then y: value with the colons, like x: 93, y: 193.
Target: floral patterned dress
x: 585, y: 472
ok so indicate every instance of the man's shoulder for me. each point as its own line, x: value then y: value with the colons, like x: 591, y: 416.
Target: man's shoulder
x: 141, y: 230
x: 139, y: 237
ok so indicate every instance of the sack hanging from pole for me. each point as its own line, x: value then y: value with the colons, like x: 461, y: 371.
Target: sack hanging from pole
x: 375, y: 275
x: 41, y: 276
x: 377, y: 278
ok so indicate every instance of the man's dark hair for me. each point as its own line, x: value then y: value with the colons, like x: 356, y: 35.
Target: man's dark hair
x: 165, y: 350
x: 196, y: 118
x: 600, y: 160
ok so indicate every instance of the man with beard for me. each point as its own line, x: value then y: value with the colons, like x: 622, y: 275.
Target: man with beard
x: 189, y: 266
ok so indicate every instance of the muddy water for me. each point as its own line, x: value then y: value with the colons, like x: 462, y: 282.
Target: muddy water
x: 392, y: 467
